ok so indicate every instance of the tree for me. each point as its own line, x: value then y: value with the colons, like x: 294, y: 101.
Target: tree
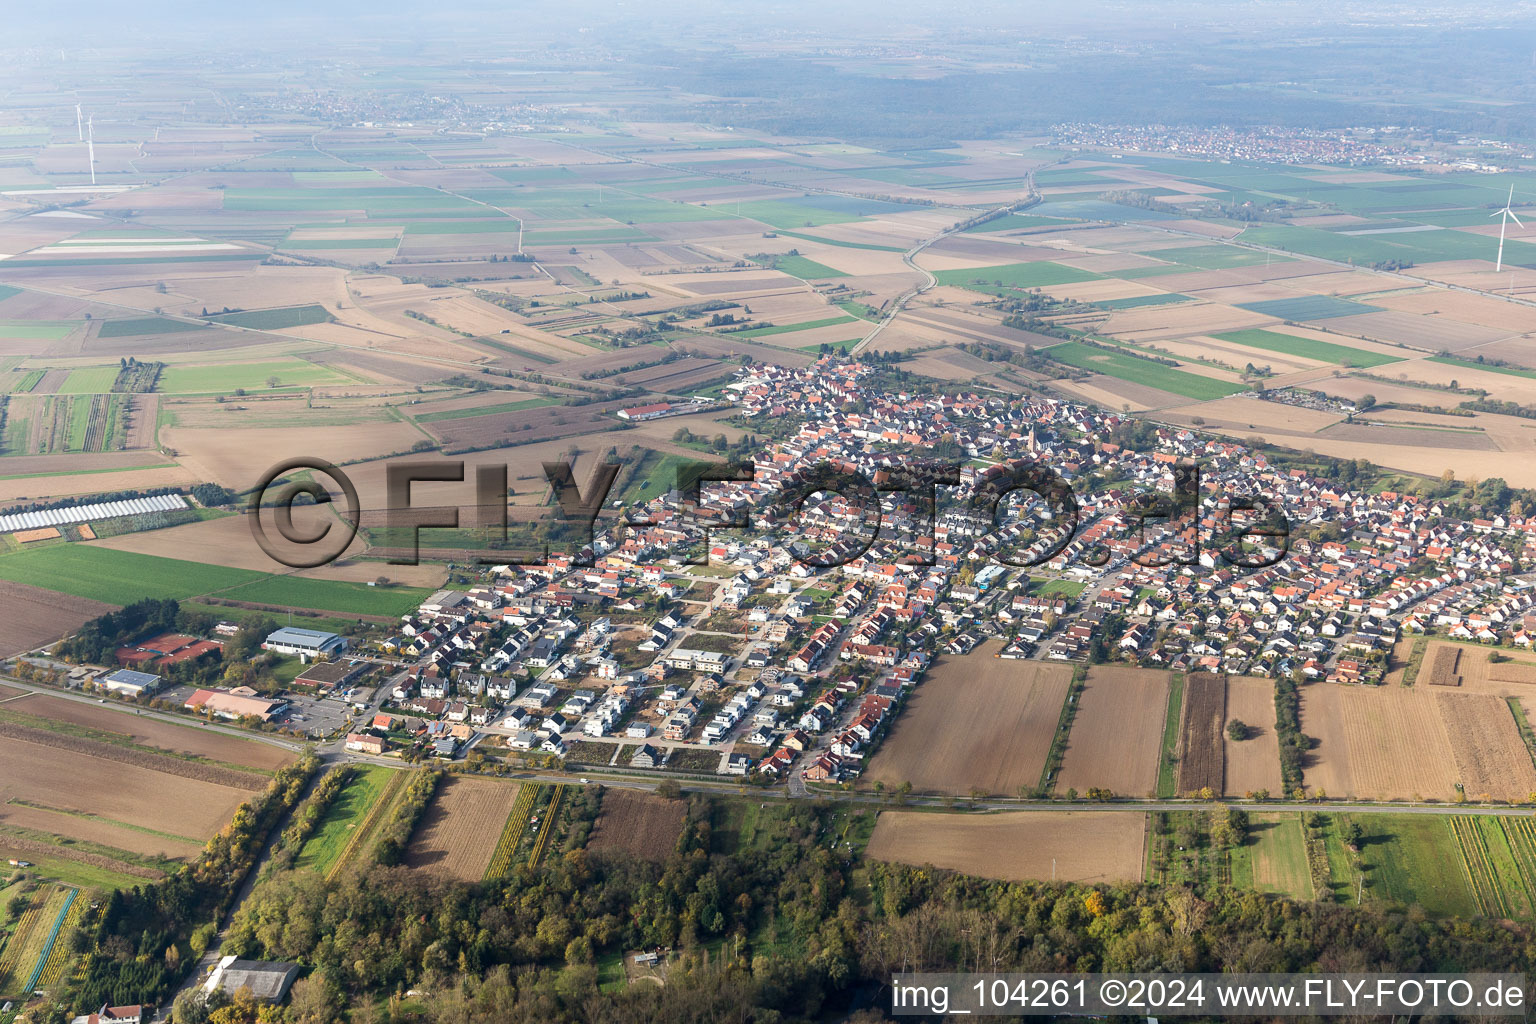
x: 669, y: 789
x: 1366, y: 402
x: 1237, y: 730
x: 314, y: 1000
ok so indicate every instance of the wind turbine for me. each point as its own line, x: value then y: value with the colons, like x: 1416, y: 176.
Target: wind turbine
x: 1506, y: 213
x: 90, y: 148
x: 79, y: 124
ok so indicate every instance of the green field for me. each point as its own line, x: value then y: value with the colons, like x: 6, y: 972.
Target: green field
x: 803, y: 268
x: 1414, y: 247
x: 1473, y: 364
x: 1015, y: 275
x: 495, y: 226
x: 784, y: 214
x: 484, y: 410
x: 843, y: 346
x: 37, y: 330
x: 343, y: 817
x: 339, y: 243
x: 1017, y: 221
x: 1307, y: 348
x: 1308, y: 307
x: 1212, y: 257
x: 336, y: 177
x: 1168, y: 753
x: 276, y: 319
x: 594, y: 236
x: 93, y: 380
x: 764, y: 332
x: 1141, y: 371
x: 841, y: 244
x: 1137, y: 301
x: 136, y: 326
x: 222, y: 378
x: 1274, y: 858
x: 376, y: 202
x: 119, y: 577
x: 1413, y: 859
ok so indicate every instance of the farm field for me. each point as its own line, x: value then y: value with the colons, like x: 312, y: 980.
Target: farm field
x: 1251, y: 765
x: 637, y: 825
x: 1074, y: 846
x: 101, y: 574
x: 35, y: 616
x: 344, y: 833
x: 1202, y: 754
x: 150, y: 732
x: 1274, y: 859
x: 1122, y: 365
x: 23, y: 956
x: 1415, y: 860
x: 459, y: 833
x: 1015, y: 275
x: 122, y: 813
x: 1421, y: 742
x: 1377, y: 743
x: 1307, y: 348
x: 1117, y: 733
x: 225, y: 378
x: 976, y: 722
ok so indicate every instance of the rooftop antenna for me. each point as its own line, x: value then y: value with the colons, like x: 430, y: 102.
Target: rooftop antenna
x: 79, y: 124
x: 1506, y: 214
x: 90, y: 144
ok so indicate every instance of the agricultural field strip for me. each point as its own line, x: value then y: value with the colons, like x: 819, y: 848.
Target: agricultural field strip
x: 512, y: 832
x: 364, y: 830
x: 546, y: 827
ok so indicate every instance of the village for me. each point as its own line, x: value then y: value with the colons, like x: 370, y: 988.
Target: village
x: 761, y: 666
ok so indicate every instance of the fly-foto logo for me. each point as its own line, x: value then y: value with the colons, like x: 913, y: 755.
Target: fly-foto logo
x: 1161, y: 529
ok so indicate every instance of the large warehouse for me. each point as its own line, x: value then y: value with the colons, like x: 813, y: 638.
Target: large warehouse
x: 306, y: 643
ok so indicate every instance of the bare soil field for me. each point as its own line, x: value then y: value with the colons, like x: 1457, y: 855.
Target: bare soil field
x: 96, y: 830
x: 228, y: 541
x: 458, y: 835
x: 1202, y: 754
x: 25, y: 731
x: 1252, y: 764
x: 1255, y: 414
x: 1117, y: 733
x: 1377, y: 743
x: 154, y: 733
x: 71, y: 781
x: 1070, y: 846
x: 1151, y: 323
x: 237, y: 458
x: 34, y: 617
x: 1413, y: 437
x: 1461, y: 306
x: 977, y: 722
x: 1491, y: 758
x: 638, y: 825
x: 1112, y: 393
x: 1433, y: 334
x: 1478, y: 673
x: 1442, y: 665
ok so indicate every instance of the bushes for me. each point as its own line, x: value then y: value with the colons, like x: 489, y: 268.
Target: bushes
x: 140, y: 938
x: 395, y: 833
x: 309, y: 815
x: 1293, y: 744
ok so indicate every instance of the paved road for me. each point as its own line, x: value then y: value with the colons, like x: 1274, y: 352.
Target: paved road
x: 163, y: 716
